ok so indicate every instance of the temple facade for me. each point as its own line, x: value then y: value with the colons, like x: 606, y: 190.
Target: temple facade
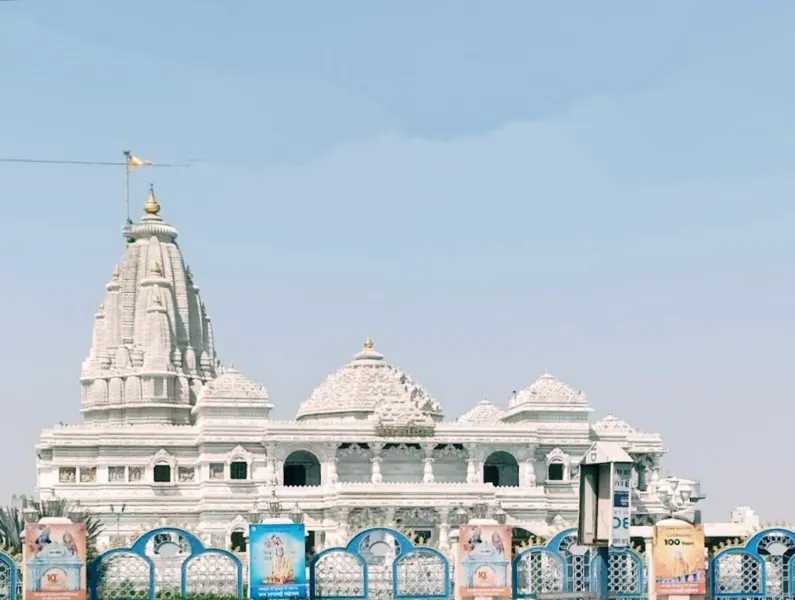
x: 170, y: 435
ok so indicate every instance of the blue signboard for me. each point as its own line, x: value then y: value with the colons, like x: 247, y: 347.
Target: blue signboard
x: 277, y: 561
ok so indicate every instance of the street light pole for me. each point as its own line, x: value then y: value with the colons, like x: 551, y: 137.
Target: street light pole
x: 118, y: 515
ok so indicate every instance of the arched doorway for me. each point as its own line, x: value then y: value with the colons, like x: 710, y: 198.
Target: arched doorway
x: 501, y: 470
x: 301, y: 468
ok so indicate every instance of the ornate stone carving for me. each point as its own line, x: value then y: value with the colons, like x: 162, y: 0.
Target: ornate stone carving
x: 484, y: 413
x: 449, y: 450
x: 417, y: 516
x: 353, y: 450
x: 186, y: 474
x: 67, y: 475
x: 239, y: 523
x: 549, y: 390
x: 163, y: 457
x: 558, y: 456
x: 375, y: 473
x: 369, y: 385
x: 612, y: 426
x: 231, y: 384
x: 239, y: 453
x: 362, y: 518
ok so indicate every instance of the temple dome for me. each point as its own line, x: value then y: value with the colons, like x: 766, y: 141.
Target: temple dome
x: 611, y: 425
x: 233, y: 396
x: 153, y: 347
x: 231, y: 384
x: 548, y: 390
x: 484, y: 413
x: 370, y: 387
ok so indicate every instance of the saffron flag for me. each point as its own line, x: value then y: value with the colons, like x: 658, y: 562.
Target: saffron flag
x: 133, y: 162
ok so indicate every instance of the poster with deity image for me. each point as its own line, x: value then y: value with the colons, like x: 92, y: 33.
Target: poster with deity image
x: 484, y: 561
x: 277, y: 561
x: 54, y: 561
x: 679, y: 562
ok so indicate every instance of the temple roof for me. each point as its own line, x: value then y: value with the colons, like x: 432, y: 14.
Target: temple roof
x: 369, y: 385
x: 549, y: 390
x: 483, y: 413
x: 611, y: 425
x: 231, y: 384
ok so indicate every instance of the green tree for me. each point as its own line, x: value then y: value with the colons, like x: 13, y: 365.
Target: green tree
x: 12, y: 524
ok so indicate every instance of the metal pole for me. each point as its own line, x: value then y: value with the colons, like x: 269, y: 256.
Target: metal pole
x: 602, y: 572
x: 127, y: 184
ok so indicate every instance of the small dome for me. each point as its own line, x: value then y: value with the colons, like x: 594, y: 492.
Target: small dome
x: 549, y: 390
x: 484, y: 413
x: 366, y: 384
x: 231, y: 384
x: 611, y: 426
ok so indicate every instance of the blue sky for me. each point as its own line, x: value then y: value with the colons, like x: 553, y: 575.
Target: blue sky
x: 487, y: 189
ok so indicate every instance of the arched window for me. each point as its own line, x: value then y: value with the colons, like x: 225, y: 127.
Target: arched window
x: 301, y: 468
x: 239, y: 461
x: 163, y: 467
x: 501, y: 470
x: 162, y: 473
x: 555, y: 472
x: 558, y: 465
x: 238, y: 470
x: 237, y: 542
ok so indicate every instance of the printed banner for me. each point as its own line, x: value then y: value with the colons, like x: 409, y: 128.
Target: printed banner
x: 622, y: 478
x: 54, y: 561
x: 679, y: 563
x: 277, y: 561
x: 484, y: 561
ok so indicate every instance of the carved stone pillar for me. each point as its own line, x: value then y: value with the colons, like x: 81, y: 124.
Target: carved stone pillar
x: 444, y: 530
x: 530, y: 473
x: 654, y: 478
x: 389, y: 511
x: 342, y: 527
x: 472, y: 467
x: 642, y: 469
x: 271, y: 477
x: 375, y: 465
x: 427, y: 476
x: 331, y: 470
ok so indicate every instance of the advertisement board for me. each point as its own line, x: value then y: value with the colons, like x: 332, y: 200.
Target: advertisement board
x: 622, y: 478
x: 54, y: 561
x: 679, y: 561
x: 484, y: 561
x: 277, y: 561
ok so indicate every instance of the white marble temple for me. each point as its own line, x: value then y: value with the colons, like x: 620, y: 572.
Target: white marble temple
x: 175, y: 437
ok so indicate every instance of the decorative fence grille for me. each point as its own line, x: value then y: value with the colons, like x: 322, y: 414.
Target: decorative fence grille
x: 563, y: 566
x: 165, y: 563
x: 380, y: 564
x: 761, y: 569
x: 383, y: 564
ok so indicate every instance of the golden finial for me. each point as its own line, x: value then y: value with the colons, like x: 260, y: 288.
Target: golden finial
x: 368, y: 343
x: 151, y: 207
x: 116, y: 273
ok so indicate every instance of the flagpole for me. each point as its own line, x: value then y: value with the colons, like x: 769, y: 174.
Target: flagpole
x: 127, y: 184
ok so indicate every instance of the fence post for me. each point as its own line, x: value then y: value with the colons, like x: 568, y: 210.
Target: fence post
x: 601, y: 565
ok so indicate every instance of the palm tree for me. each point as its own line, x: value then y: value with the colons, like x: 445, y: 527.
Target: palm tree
x: 12, y: 523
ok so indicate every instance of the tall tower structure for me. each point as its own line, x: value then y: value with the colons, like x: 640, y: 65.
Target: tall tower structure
x: 152, y: 347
